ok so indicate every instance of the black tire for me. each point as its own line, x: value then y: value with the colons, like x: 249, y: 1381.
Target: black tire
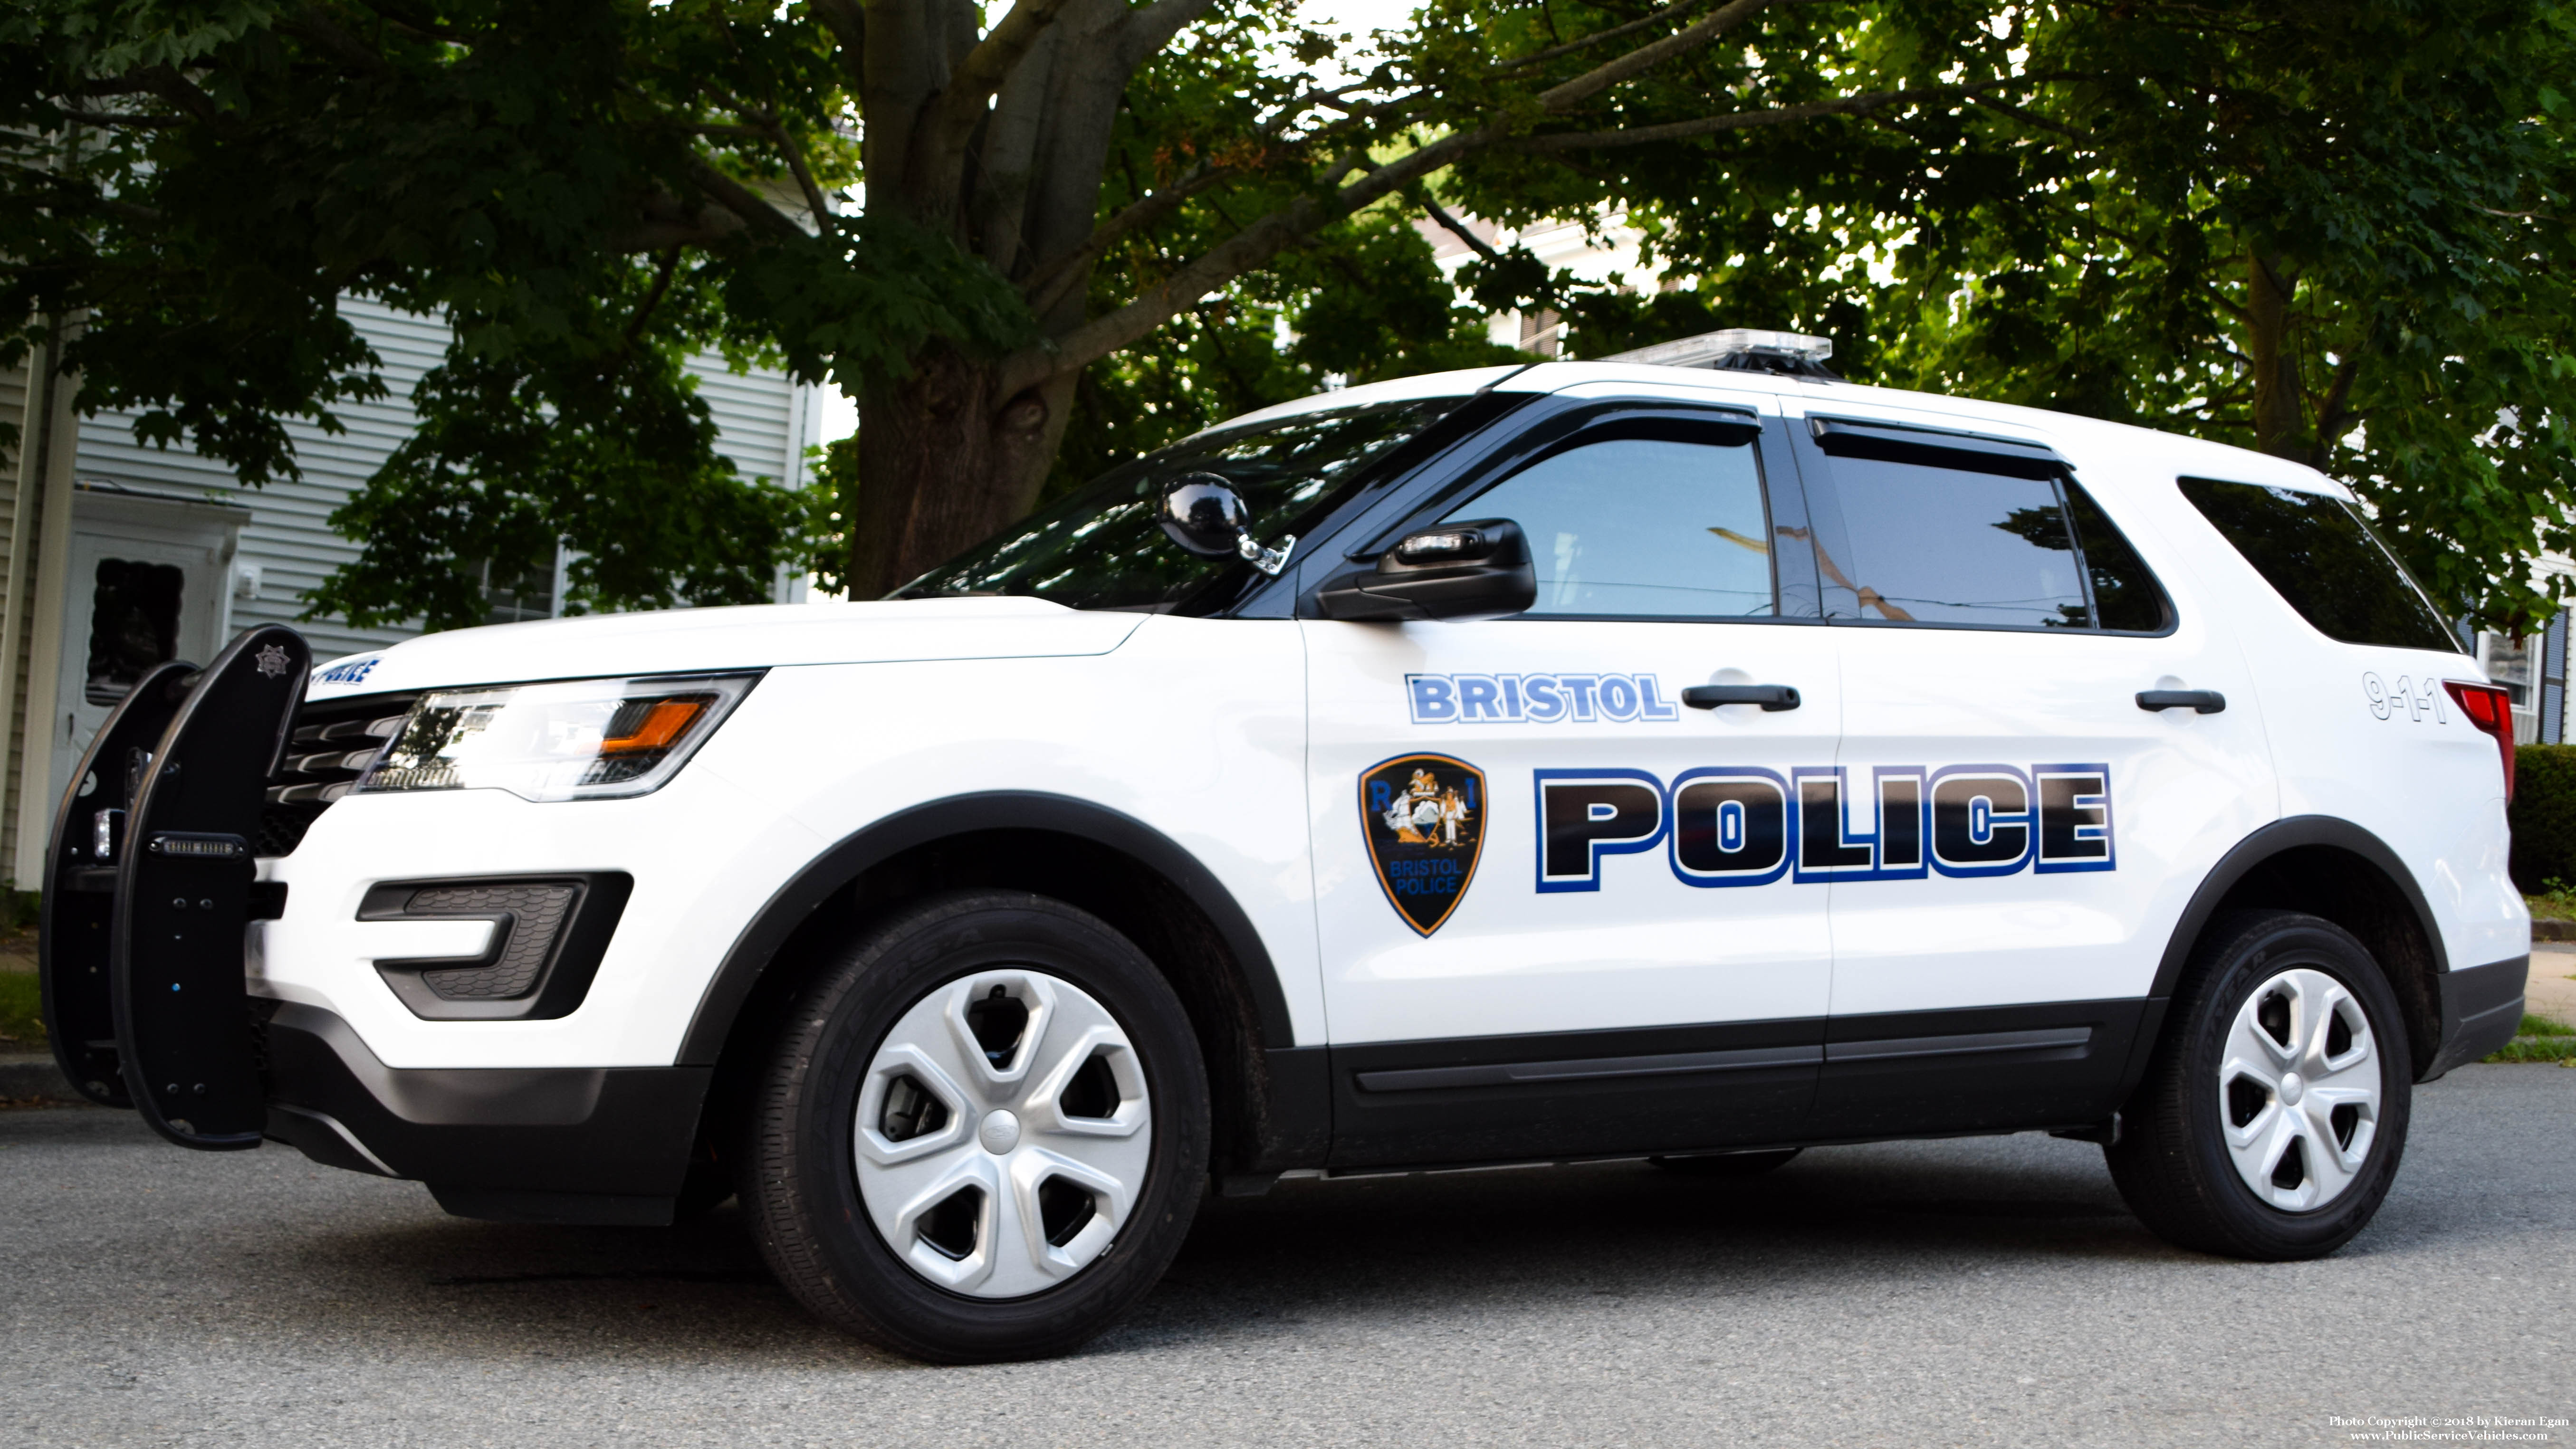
x: 800, y: 1186
x: 2172, y: 1161
x: 1728, y: 1164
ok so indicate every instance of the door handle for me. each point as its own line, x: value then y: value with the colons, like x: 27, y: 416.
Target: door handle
x: 2200, y: 701
x: 1772, y: 697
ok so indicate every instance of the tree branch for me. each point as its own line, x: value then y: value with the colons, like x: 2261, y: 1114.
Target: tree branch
x: 2331, y: 418
x: 1046, y: 286
x: 1231, y: 258
x: 105, y: 118
x: 959, y: 108
x: 1615, y: 32
x: 1455, y: 227
x: 1290, y: 224
x: 2028, y: 117
x: 745, y: 203
x: 71, y: 197
x: 815, y: 201
x: 1645, y: 57
x: 1150, y: 29
x: 1740, y: 120
x: 182, y: 92
x: 317, y: 28
x: 652, y: 299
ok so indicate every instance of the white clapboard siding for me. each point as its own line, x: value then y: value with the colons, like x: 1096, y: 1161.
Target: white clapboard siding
x: 763, y: 418
x: 13, y: 411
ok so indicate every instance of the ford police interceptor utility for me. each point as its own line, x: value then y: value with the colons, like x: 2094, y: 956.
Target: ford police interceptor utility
x: 1689, y: 756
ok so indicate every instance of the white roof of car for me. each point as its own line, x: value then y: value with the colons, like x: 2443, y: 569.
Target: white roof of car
x: 2187, y: 456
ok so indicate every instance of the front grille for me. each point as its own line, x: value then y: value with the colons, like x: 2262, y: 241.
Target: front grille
x: 333, y: 743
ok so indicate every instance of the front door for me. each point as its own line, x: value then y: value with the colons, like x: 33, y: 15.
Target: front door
x: 2017, y: 831
x: 1552, y: 895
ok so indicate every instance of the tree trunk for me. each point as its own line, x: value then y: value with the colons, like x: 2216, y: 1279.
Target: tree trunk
x: 2279, y: 418
x: 944, y: 463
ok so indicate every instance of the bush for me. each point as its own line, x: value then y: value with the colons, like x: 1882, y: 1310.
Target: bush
x: 2544, y: 816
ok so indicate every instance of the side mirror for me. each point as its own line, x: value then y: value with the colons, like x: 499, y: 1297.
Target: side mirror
x: 1204, y: 515
x: 1474, y: 570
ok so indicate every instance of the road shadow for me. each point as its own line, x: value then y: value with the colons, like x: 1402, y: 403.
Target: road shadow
x: 1369, y: 1248
x: 294, y: 1253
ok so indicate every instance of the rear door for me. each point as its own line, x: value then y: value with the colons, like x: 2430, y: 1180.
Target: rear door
x: 2012, y: 822
x: 1553, y: 897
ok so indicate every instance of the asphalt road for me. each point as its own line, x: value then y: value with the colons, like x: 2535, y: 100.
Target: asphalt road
x: 1987, y: 1291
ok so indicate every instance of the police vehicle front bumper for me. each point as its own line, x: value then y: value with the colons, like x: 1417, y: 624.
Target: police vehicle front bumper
x: 525, y: 1144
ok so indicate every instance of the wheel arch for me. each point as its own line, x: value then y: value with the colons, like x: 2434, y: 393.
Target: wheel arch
x: 1100, y: 860
x: 2337, y: 870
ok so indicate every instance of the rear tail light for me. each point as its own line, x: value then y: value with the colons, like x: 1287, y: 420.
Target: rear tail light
x: 2490, y: 709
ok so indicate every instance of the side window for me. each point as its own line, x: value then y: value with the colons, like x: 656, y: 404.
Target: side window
x: 2126, y: 598
x: 2316, y: 553
x: 1643, y: 528
x: 1928, y: 545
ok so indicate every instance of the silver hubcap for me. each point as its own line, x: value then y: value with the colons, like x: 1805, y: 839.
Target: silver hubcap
x: 1002, y: 1133
x: 2298, y: 1092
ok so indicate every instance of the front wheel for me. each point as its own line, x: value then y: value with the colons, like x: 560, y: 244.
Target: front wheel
x: 2274, y: 1111
x: 982, y: 1133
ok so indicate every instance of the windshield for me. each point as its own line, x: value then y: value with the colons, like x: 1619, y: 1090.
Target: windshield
x: 1104, y: 548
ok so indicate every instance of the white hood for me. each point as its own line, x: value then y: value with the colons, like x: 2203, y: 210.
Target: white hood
x: 690, y: 641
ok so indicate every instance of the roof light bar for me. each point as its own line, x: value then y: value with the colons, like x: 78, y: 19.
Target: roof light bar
x: 1739, y: 349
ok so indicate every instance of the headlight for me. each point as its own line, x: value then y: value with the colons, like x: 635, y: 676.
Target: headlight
x: 584, y: 739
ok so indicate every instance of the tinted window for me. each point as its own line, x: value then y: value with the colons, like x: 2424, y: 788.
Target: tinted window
x: 1642, y: 528
x: 1931, y: 545
x: 2317, y: 554
x: 2125, y: 596
x: 1103, y: 548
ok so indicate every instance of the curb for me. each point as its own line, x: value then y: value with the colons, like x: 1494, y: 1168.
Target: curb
x: 33, y: 1074
x: 2553, y: 930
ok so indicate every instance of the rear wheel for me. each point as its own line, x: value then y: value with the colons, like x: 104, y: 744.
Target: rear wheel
x: 982, y: 1132
x: 2274, y: 1112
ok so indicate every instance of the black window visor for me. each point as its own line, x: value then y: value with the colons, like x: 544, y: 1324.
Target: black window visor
x: 1897, y: 443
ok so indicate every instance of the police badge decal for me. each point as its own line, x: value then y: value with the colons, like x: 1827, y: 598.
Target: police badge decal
x: 1424, y: 816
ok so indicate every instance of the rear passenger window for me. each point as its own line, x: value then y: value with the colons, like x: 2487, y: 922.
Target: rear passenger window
x: 1924, y: 544
x: 1949, y: 546
x: 2319, y: 556
x: 1642, y: 528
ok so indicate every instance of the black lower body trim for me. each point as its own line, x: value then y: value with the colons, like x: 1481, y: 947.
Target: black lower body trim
x: 1595, y: 1069
x: 481, y: 1135
x: 1728, y: 1085
x: 1977, y: 1069
x: 2481, y: 1011
x: 1575, y: 1094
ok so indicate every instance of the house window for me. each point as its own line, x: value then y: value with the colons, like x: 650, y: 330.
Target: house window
x: 509, y: 599
x: 133, y: 625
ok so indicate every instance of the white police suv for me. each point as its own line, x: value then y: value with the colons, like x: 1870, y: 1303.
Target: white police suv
x: 1690, y: 757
